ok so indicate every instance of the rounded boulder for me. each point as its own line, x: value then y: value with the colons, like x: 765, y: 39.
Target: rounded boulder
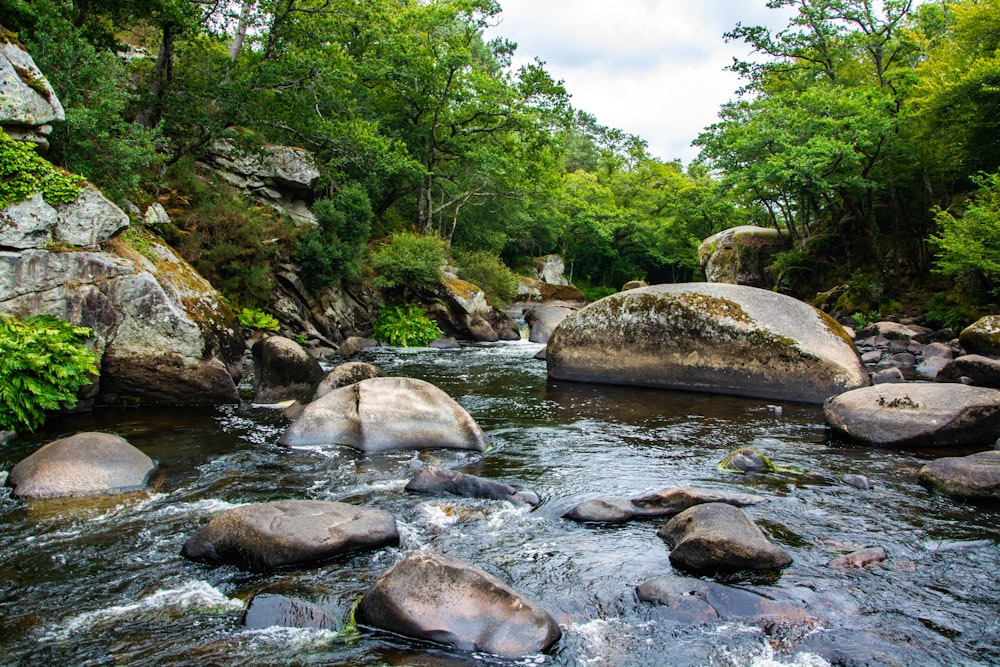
x: 266, y: 536
x: 444, y: 600
x: 718, y: 338
x: 85, y: 464
x: 283, y: 370
x: 973, y: 476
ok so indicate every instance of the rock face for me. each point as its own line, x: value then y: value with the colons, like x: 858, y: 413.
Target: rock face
x: 917, y: 414
x: 444, y: 600
x: 27, y: 102
x: 982, y: 337
x: 266, y: 536
x: 665, y: 502
x: 86, y: 222
x: 550, y: 269
x: 382, y: 414
x: 698, y: 601
x: 716, y: 537
x: 85, y: 464
x: 708, y: 337
x: 284, y: 371
x: 740, y: 256
x: 461, y: 309
x: 974, y: 476
x: 435, y: 480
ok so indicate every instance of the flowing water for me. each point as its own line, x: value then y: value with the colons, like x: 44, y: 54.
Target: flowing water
x: 101, y: 581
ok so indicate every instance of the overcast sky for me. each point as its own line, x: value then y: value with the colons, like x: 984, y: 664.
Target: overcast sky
x: 654, y: 68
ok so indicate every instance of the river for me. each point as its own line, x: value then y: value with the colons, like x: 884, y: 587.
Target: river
x: 101, y: 581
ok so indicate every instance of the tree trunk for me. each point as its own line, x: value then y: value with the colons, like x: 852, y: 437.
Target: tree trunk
x: 241, y: 30
x: 163, y: 73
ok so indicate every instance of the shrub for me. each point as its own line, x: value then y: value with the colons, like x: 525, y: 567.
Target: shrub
x: 43, y: 363
x: 969, y: 244
x: 409, y: 261
x: 487, y: 271
x: 405, y: 326
x: 23, y: 173
x: 253, y: 318
x: 333, y: 250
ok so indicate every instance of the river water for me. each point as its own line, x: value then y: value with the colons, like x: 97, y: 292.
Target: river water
x: 101, y: 581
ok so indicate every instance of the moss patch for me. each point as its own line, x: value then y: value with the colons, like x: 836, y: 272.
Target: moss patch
x: 23, y: 173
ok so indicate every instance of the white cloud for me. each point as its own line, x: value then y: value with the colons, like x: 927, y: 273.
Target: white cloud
x: 654, y: 68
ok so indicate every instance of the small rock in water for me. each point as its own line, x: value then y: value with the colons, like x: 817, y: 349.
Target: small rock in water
x: 860, y: 559
x: 857, y: 481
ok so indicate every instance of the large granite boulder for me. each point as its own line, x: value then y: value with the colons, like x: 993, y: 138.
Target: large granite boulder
x: 444, y: 600
x: 27, y: 101
x: 741, y: 255
x: 973, y: 476
x: 665, y: 502
x: 85, y: 464
x: 266, y: 536
x: 386, y: 413
x: 440, y: 481
x: 982, y: 337
x: 917, y: 414
x: 283, y: 371
x: 976, y: 369
x: 708, y: 337
x: 716, y: 537
x: 690, y: 601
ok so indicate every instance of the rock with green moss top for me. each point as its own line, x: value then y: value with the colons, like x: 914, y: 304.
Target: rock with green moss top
x: 982, y: 337
x: 973, y: 476
x: 741, y: 255
x: 917, y: 415
x: 717, y: 338
x: 26, y: 98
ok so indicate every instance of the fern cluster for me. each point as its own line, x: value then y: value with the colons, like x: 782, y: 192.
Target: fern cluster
x: 405, y: 326
x: 23, y: 173
x: 43, y: 363
x: 253, y: 318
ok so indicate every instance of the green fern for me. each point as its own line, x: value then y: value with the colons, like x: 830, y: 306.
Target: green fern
x: 405, y: 326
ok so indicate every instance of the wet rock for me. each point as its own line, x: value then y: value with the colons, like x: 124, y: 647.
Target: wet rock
x: 929, y: 368
x: 354, y: 344
x: 888, y: 376
x: 444, y: 600
x: 543, y: 320
x: 973, y: 476
x: 982, y: 337
x: 665, y: 502
x: 859, y: 559
x: 916, y: 414
x: 857, y: 481
x: 708, y: 337
x: 435, y: 480
x: 981, y: 371
x: 284, y: 371
x: 266, y: 610
x: 382, y: 414
x: 85, y: 464
x: 444, y: 343
x: 716, y: 537
x: 698, y: 601
x: 746, y: 459
x: 266, y: 536
x: 345, y: 374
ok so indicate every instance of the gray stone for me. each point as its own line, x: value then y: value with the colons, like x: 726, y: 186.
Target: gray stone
x: 84, y: 464
x: 938, y: 350
x: 602, y: 510
x: 436, y: 480
x: 695, y: 601
x: 354, y: 344
x: 345, y: 374
x: 716, y: 537
x: 543, y: 320
x: 444, y: 600
x: 284, y: 371
x: 285, y: 533
x: 929, y: 368
x: 981, y: 371
x: 665, y: 502
x: 860, y: 559
x: 386, y: 413
x: 917, y: 414
x: 283, y: 166
x: 982, y: 337
x: 890, y: 331
x: 89, y: 220
x: 26, y: 97
x: 741, y: 255
x: 550, y: 269
x: 872, y: 357
x: 27, y: 224
x: 888, y: 376
x: 973, y: 476
x: 857, y: 481
x: 708, y: 337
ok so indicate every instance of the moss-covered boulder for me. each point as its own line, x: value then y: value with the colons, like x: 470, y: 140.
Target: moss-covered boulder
x: 741, y: 255
x: 716, y: 338
x: 982, y: 337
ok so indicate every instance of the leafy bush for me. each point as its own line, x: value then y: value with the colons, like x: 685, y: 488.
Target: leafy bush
x: 43, y: 363
x: 969, y: 243
x: 23, y: 173
x: 252, y: 318
x: 487, y: 271
x: 409, y: 261
x: 405, y: 326
x: 596, y: 292
x: 333, y: 250
x: 864, y: 319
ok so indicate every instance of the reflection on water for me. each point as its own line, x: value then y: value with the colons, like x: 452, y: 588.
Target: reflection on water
x: 101, y: 581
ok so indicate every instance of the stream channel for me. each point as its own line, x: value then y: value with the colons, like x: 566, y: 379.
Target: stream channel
x: 100, y: 581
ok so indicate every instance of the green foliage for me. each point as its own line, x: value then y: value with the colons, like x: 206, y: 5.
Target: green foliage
x: 23, y: 173
x: 487, y: 271
x: 969, y: 243
x: 409, y: 261
x: 254, y: 318
x: 43, y: 363
x: 596, y: 292
x: 333, y: 250
x: 405, y: 326
x: 864, y: 319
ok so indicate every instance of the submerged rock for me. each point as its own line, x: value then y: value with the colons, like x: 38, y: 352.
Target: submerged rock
x: 697, y: 601
x: 386, y: 413
x: 435, y: 480
x: 917, y: 414
x: 973, y: 476
x: 283, y: 371
x: 859, y: 559
x: 84, y: 464
x: 266, y: 610
x: 708, y: 337
x: 265, y: 536
x: 716, y: 537
x: 444, y: 600
x: 665, y: 502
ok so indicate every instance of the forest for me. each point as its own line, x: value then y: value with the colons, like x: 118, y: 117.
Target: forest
x: 867, y: 132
